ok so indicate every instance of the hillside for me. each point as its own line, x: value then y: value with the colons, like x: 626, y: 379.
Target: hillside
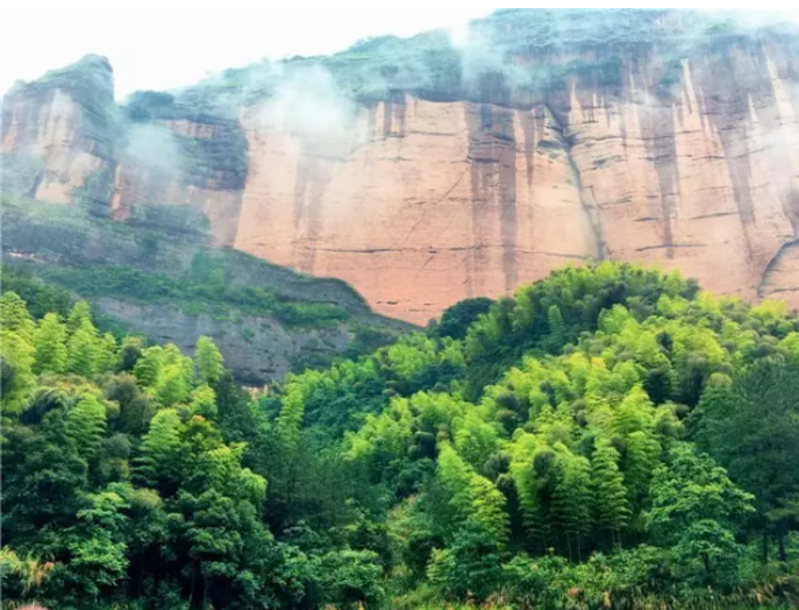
x: 170, y: 286
x: 460, y: 168
x: 610, y: 437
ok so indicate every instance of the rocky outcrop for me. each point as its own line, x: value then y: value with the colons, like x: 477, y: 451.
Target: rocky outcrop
x: 153, y: 163
x: 63, y: 125
x: 424, y: 173
x: 259, y: 349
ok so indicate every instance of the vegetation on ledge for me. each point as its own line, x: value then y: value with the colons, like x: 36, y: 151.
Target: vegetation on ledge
x: 202, y: 290
x: 267, y: 319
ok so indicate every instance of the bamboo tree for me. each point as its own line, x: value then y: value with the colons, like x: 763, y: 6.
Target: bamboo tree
x: 79, y: 313
x: 208, y: 361
x: 50, y: 343
x: 82, y: 349
x: 572, y: 498
x: 14, y: 317
x: 642, y: 454
x: 86, y: 425
x: 611, y: 508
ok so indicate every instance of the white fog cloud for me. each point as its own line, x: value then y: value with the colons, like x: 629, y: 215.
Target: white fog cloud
x: 162, y: 45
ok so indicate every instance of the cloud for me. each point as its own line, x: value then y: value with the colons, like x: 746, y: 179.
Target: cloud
x: 152, y: 148
x: 308, y: 103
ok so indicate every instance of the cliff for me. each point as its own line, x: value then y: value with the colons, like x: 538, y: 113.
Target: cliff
x: 422, y: 171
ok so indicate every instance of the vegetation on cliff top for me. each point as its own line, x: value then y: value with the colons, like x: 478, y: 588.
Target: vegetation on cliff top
x: 513, y: 55
x: 201, y: 290
x: 609, y: 437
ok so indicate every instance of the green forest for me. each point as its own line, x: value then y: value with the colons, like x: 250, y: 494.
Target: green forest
x: 609, y: 437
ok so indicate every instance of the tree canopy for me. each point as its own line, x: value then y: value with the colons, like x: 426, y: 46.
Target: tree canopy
x: 609, y: 437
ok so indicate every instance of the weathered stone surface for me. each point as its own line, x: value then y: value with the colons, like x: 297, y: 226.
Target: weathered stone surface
x: 94, y: 153
x: 454, y: 200
x: 65, y: 121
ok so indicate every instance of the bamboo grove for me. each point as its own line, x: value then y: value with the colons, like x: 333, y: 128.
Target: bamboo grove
x: 610, y: 437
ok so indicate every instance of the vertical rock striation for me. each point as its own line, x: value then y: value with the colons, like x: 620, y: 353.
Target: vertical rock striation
x: 420, y: 220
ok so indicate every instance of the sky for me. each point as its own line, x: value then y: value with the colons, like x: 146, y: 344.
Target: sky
x: 161, y: 45
x: 173, y: 43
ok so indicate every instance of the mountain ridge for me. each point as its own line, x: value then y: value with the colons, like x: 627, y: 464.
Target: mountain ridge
x: 462, y: 171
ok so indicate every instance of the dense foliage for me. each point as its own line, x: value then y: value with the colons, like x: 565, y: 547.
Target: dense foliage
x: 609, y: 437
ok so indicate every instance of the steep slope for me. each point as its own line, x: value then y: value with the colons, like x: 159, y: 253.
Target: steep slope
x: 423, y: 171
x: 69, y: 143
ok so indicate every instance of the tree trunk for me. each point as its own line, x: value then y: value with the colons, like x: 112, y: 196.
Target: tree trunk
x: 765, y: 545
x: 706, y: 561
x: 569, y: 546
x: 783, y: 553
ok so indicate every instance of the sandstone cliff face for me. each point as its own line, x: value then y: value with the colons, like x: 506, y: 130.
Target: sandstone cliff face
x: 435, y: 203
x: 160, y: 169
x: 443, y: 201
x: 678, y: 152
x: 706, y: 180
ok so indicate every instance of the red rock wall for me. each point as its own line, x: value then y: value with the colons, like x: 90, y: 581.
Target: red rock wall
x: 427, y: 203
x: 419, y: 204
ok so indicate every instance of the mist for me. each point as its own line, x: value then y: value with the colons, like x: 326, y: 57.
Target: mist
x: 152, y: 148
x: 307, y: 103
x: 320, y: 100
